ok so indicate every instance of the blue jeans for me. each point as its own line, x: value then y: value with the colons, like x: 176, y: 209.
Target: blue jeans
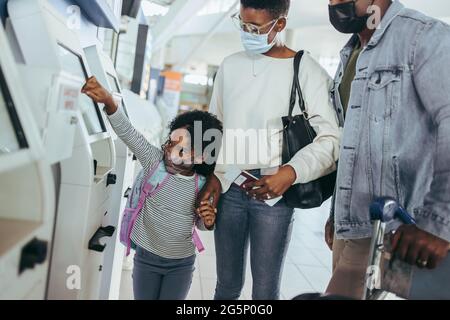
x: 158, y: 278
x: 242, y: 221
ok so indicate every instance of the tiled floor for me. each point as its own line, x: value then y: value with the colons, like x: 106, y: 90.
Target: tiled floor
x: 307, y: 267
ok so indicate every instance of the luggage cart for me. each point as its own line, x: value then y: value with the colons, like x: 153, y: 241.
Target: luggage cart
x: 382, y: 211
x: 399, y: 278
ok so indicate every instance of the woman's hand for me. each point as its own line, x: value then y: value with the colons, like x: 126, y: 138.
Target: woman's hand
x: 208, y: 214
x: 211, y: 191
x: 94, y: 90
x: 274, y: 186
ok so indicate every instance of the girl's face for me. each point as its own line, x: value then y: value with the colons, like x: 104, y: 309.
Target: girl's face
x: 178, y: 153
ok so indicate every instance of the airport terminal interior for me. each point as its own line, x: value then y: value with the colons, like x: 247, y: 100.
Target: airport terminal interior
x: 66, y: 176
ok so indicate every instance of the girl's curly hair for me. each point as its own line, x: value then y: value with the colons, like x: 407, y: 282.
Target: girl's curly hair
x: 208, y: 121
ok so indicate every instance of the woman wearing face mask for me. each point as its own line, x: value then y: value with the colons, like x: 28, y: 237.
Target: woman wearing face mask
x: 251, y: 94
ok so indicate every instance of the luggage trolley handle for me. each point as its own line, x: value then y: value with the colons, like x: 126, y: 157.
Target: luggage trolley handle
x: 383, y: 210
x: 387, y: 209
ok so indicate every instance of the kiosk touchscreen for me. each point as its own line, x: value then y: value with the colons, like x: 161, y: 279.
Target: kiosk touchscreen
x: 49, y: 47
x: 27, y: 194
x: 92, y: 117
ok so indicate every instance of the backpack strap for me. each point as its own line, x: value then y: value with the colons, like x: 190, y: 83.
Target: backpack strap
x: 146, y: 191
x: 147, y: 187
x: 152, y: 170
x: 195, y: 236
x: 197, y: 241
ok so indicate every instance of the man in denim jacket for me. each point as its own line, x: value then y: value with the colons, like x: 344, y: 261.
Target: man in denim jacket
x: 393, y: 87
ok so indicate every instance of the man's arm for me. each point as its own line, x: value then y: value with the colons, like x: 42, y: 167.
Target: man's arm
x: 432, y: 80
x: 427, y: 244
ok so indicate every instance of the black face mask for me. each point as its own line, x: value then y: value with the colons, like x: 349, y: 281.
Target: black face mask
x: 344, y: 19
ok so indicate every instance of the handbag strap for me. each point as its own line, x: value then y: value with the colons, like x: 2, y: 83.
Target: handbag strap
x: 296, y: 86
x: 296, y: 89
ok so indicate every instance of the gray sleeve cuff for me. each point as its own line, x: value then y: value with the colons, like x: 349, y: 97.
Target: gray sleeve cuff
x: 432, y: 222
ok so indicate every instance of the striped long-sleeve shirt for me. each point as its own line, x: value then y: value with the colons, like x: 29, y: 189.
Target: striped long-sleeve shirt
x: 164, y: 226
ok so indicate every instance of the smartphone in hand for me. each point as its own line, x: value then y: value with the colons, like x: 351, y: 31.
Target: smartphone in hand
x: 246, y: 177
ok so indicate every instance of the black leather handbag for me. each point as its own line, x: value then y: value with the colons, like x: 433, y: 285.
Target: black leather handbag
x: 297, y: 134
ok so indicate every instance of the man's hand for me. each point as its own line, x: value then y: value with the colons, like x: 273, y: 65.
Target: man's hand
x: 418, y: 247
x: 208, y: 214
x: 329, y: 233
x: 94, y: 90
x: 274, y: 186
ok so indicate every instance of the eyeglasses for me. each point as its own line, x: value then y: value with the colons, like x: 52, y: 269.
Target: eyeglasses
x: 250, y: 27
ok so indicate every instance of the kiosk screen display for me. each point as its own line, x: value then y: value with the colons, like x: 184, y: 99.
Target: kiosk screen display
x: 91, y: 113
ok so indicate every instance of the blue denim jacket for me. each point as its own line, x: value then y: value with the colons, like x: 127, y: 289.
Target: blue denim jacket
x: 396, y: 139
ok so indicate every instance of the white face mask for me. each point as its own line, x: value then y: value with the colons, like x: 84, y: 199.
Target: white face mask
x: 258, y: 43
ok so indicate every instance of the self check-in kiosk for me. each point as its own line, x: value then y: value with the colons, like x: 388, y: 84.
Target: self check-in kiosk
x: 103, y: 69
x: 27, y: 193
x: 48, y: 47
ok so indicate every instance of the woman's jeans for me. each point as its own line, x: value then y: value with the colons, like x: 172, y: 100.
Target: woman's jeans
x: 243, y: 221
x: 158, y: 278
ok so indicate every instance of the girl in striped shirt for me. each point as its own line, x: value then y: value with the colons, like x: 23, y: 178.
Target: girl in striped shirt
x: 165, y: 250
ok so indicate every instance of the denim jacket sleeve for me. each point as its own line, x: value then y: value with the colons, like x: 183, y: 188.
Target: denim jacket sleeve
x: 431, y: 73
x: 332, y: 206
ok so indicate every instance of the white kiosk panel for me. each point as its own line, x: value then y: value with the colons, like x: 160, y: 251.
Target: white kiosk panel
x: 47, y: 44
x: 27, y: 194
x: 9, y: 138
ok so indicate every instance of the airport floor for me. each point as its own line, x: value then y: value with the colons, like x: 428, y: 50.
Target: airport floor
x: 307, y: 268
